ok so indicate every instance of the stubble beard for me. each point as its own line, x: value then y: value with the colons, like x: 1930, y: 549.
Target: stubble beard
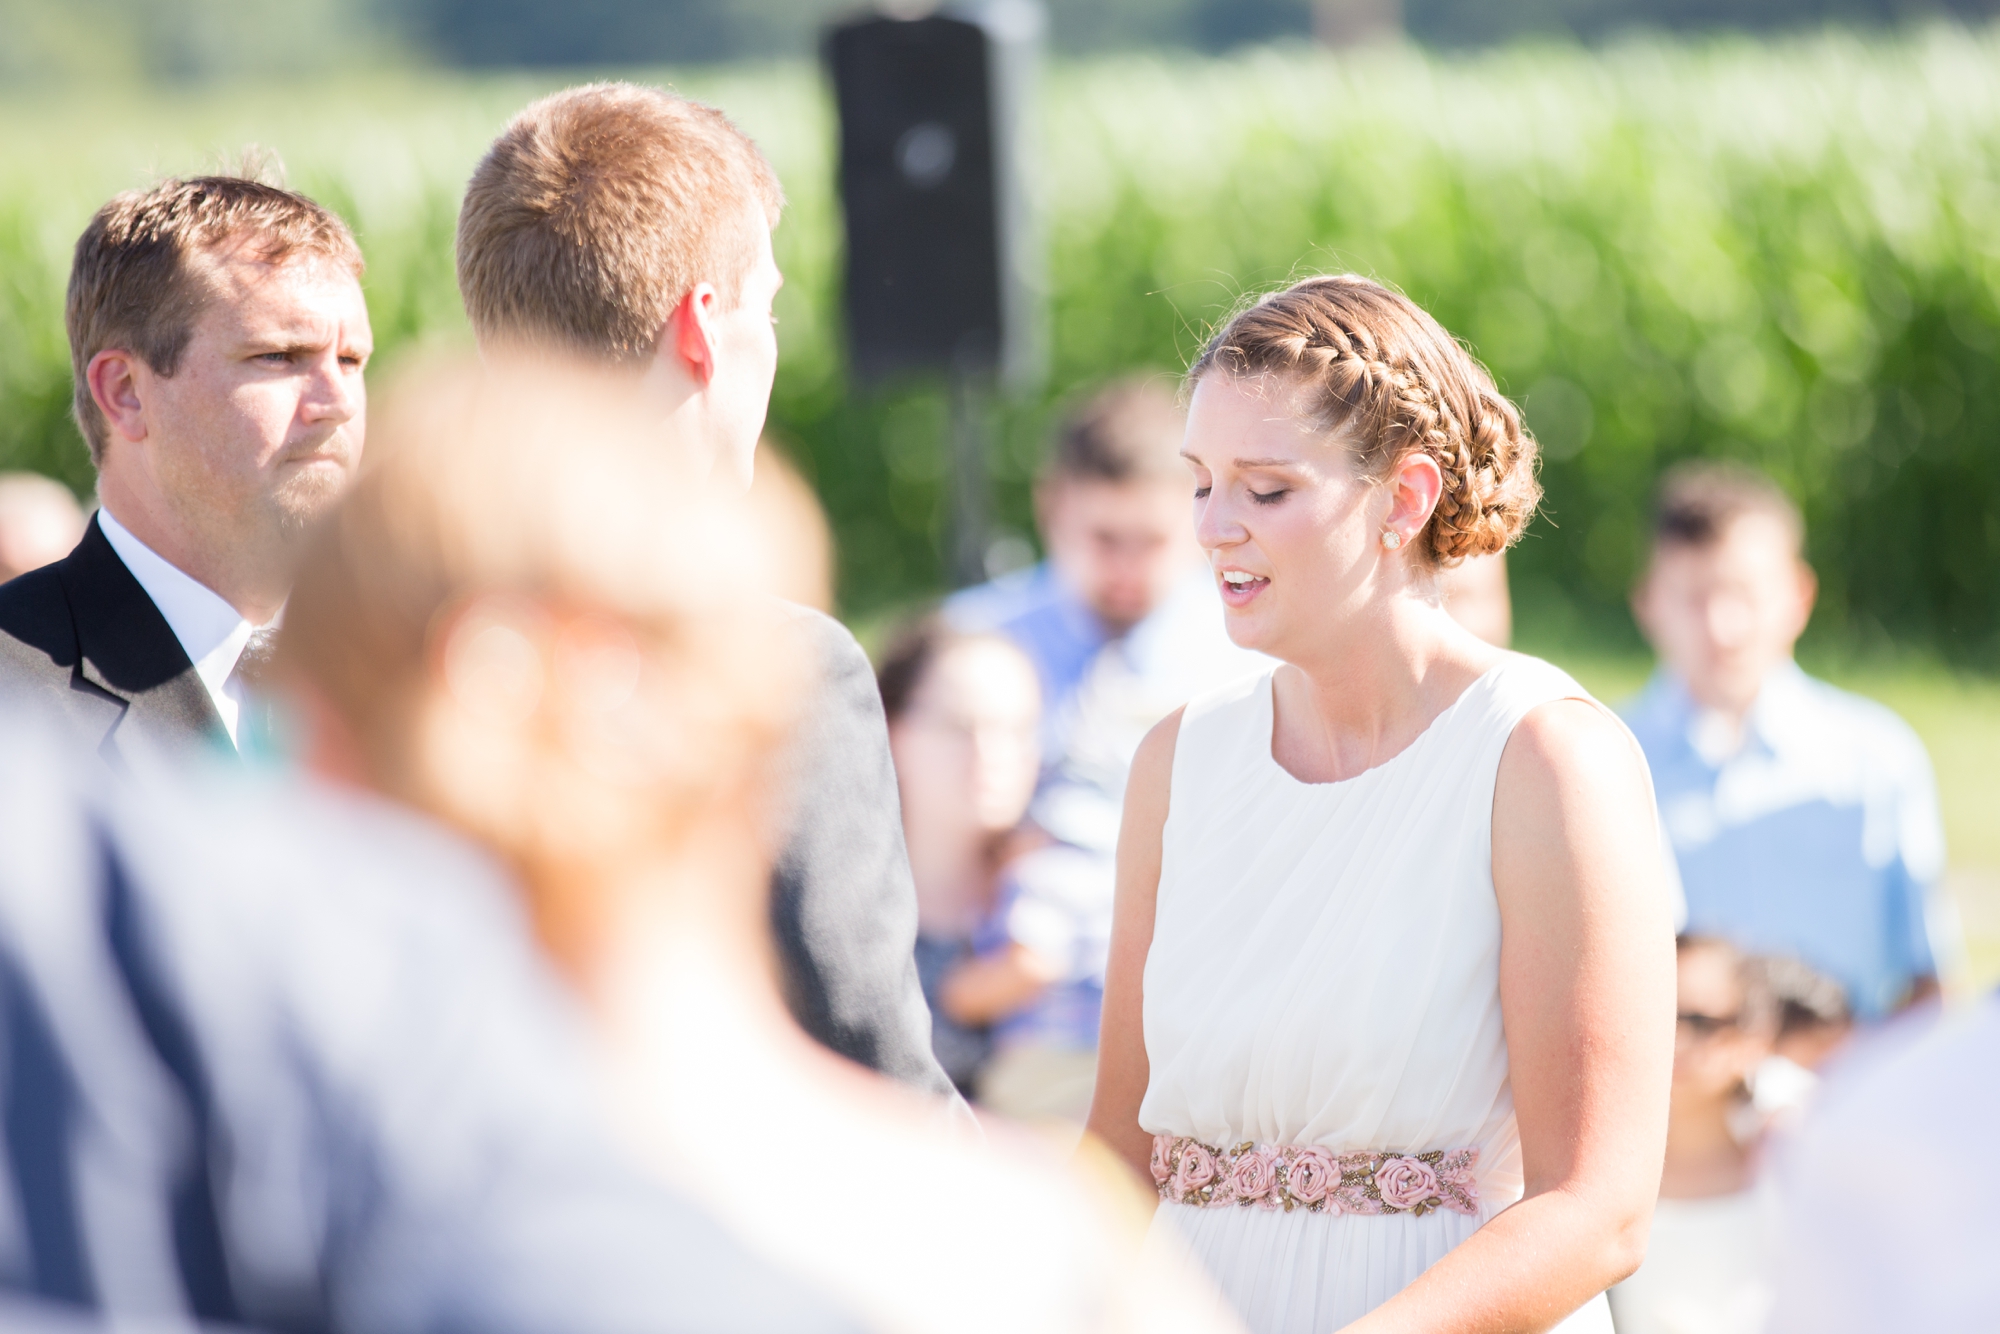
x: 302, y: 500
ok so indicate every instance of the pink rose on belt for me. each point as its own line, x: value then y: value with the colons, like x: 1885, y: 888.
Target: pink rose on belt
x: 1163, y: 1158
x: 1197, y: 1169
x: 1312, y: 1174
x: 1254, y: 1175
x: 1405, y: 1183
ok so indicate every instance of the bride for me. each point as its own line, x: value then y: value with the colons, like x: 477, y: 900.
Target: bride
x: 1389, y: 1016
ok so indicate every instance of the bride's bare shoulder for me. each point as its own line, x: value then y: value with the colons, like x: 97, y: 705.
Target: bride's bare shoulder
x: 1157, y: 750
x: 1573, y: 791
x: 1153, y: 765
x: 1568, y: 741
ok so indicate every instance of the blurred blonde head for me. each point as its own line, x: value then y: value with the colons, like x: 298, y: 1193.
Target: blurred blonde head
x: 531, y: 621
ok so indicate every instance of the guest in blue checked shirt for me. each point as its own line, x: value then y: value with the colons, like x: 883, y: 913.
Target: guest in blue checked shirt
x: 1804, y: 819
x: 1115, y: 513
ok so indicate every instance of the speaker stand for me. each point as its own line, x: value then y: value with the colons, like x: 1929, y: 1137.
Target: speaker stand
x: 971, y: 431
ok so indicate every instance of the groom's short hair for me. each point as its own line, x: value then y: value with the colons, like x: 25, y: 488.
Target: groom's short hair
x: 598, y: 209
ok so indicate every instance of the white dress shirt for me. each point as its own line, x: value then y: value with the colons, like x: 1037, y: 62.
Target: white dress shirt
x: 210, y: 631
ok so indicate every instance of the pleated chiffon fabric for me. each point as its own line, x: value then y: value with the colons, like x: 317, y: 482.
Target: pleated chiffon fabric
x: 1325, y: 969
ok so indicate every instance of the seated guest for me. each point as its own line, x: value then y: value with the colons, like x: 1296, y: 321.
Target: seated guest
x: 964, y: 713
x: 217, y: 339
x: 289, y: 1060
x: 1813, y: 1018
x: 40, y: 522
x: 1013, y: 925
x: 1706, y: 1265
x: 1804, y: 819
x: 534, y: 625
x: 632, y: 228
x: 1037, y: 978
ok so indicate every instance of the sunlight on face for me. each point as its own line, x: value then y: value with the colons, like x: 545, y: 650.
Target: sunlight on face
x: 262, y: 420
x: 1290, y: 528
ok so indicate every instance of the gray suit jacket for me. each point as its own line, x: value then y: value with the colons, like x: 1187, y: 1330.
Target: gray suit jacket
x: 843, y: 906
x: 82, y: 636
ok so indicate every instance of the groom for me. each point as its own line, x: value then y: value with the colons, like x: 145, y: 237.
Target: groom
x: 633, y: 227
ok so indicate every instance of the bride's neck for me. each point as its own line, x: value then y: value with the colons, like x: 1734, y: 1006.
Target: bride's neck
x: 1369, y: 689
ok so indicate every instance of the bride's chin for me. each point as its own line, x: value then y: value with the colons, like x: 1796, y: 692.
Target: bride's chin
x: 1247, y: 629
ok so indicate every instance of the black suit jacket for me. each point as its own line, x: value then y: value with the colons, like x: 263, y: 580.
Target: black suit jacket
x: 82, y: 637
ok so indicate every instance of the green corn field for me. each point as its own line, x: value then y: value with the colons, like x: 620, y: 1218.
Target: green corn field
x: 1782, y: 252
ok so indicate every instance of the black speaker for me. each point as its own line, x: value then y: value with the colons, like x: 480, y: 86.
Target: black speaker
x: 931, y: 190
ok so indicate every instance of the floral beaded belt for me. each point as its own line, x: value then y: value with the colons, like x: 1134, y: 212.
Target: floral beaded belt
x: 1285, y: 1176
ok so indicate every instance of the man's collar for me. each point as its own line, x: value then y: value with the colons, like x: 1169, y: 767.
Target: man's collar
x: 125, y: 648
x: 1774, y: 717
x: 1783, y: 707
x: 208, y: 628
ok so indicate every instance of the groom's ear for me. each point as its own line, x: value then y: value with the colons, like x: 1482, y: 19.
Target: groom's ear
x: 688, y: 337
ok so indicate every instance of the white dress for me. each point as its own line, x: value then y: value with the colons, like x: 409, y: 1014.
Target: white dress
x: 1324, y: 971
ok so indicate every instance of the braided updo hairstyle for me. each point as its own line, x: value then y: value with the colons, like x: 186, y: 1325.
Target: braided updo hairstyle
x: 1388, y: 378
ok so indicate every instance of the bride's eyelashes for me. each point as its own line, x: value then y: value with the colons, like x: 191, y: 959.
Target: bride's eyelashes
x: 1261, y: 497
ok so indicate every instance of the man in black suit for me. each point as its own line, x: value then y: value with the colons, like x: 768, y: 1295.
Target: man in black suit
x: 217, y: 338
x: 625, y: 225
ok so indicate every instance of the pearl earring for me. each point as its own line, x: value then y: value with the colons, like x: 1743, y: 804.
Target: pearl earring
x: 1392, y: 540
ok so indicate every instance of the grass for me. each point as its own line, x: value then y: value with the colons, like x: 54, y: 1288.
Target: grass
x: 1958, y: 717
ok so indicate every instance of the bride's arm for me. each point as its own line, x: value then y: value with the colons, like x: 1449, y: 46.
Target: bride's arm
x: 1121, y: 1043
x: 1587, y: 996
